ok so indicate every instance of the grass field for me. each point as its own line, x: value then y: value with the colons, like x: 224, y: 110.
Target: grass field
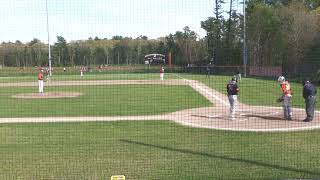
x: 146, y: 149
x: 77, y: 77
x: 115, y: 100
x: 253, y: 91
x: 153, y: 150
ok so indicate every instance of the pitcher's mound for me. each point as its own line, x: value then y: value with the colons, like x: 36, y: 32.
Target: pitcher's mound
x: 47, y: 95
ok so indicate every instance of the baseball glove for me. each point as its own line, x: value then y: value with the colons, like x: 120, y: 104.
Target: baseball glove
x: 280, y: 99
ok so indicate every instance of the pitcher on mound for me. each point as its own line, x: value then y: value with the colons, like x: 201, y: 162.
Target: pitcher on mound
x: 40, y: 81
x: 161, y: 73
x: 82, y: 69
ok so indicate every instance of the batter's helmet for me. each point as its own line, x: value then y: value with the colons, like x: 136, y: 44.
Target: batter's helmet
x: 281, y: 79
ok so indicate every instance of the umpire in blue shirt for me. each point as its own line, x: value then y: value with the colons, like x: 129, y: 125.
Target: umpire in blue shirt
x: 309, y: 95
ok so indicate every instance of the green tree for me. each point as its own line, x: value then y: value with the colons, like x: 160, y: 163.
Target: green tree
x: 303, y: 31
x: 60, y: 51
x: 265, y: 38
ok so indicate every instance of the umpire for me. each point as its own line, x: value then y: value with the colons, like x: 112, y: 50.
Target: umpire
x: 309, y: 95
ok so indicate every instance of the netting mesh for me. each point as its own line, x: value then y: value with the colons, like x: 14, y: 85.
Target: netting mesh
x: 158, y: 90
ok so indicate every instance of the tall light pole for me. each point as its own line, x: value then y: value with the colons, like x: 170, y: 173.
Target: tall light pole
x: 244, y: 40
x: 49, y: 56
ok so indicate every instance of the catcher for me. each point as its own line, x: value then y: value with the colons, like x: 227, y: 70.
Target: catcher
x: 285, y: 98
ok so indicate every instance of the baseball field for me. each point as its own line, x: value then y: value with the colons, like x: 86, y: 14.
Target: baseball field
x: 133, y: 124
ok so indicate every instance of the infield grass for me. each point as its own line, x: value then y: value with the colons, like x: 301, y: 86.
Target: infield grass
x: 253, y: 91
x: 112, y: 100
x: 153, y: 150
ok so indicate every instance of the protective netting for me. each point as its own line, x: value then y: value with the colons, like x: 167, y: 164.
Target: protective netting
x: 159, y: 89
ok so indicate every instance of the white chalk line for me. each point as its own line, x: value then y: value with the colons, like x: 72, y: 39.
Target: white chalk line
x: 208, y: 116
x: 204, y: 90
x: 251, y: 130
x: 269, y: 114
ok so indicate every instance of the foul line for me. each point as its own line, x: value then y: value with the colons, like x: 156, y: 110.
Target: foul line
x: 204, y: 90
x: 251, y: 130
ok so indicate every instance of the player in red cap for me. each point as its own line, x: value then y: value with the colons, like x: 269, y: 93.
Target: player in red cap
x: 82, y: 69
x: 161, y: 73
x: 40, y: 81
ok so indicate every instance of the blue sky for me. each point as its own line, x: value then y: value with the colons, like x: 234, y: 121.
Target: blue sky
x: 80, y: 19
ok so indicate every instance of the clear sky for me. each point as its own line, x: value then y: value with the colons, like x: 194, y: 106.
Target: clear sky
x: 80, y: 19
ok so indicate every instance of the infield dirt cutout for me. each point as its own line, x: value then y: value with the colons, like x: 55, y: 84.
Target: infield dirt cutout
x: 47, y: 95
x: 248, y: 118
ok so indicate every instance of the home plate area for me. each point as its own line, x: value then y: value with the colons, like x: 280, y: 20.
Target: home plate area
x: 249, y: 118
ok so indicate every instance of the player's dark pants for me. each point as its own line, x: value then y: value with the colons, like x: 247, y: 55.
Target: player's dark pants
x: 310, y: 105
x: 208, y: 73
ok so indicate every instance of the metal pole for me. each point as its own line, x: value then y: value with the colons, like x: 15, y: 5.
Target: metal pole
x: 49, y: 56
x: 244, y: 40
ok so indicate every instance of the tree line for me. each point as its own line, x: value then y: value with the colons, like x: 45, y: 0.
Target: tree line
x: 279, y: 32
x: 183, y: 45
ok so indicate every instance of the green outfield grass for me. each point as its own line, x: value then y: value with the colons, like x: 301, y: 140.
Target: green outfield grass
x: 153, y: 150
x: 87, y: 76
x: 28, y: 74
x: 112, y: 100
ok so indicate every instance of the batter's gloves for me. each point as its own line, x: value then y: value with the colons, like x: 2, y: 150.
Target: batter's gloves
x: 280, y: 99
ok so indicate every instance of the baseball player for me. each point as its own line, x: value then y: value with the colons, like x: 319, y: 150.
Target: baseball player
x: 40, y: 81
x: 161, y: 73
x: 238, y: 77
x: 232, y: 90
x: 309, y: 95
x: 208, y: 70
x: 285, y: 97
x: 47, y: 74
x: 82, y: 69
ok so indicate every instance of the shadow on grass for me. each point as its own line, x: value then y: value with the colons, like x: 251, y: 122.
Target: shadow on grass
x: 257, y: 163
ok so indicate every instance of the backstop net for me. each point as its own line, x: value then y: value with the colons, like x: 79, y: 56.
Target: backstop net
x: 193, y: 89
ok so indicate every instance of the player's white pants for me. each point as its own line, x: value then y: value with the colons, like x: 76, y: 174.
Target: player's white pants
x: 161, y: 76
x: 233, y: 105
x: 81, y: 73
x: 40, y: 82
